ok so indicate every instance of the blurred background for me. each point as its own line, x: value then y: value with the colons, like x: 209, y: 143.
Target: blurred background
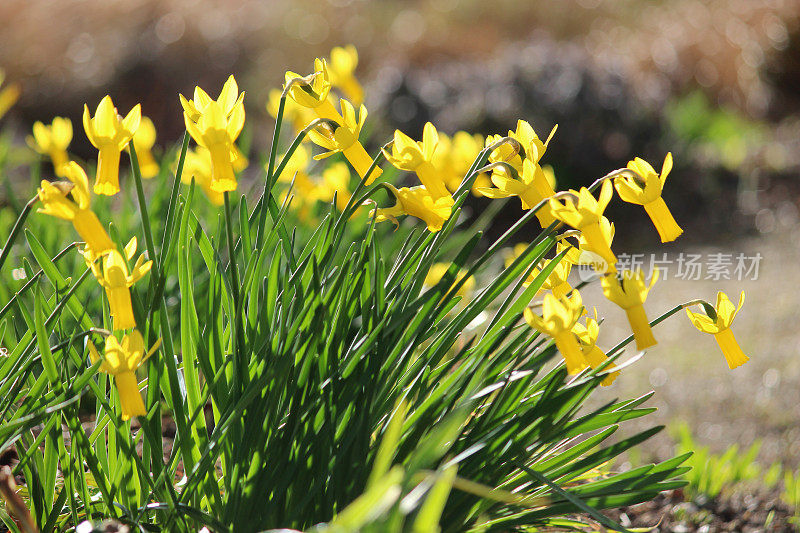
x: 713, y: 81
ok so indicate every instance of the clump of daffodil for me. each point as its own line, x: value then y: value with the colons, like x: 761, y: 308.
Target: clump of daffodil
x: 417, y: 202
x: 585, y: 215
x: 629, y: 291
x: 342, y: 66
x: 110, y: 134
x: 416, y: 156
x: 143, y: 141
x: 9, y: 95
x: 559, y: 316
x: 454, y: 157
x: 532, y: 188
x: 121, y: 359
x: 587, y: 335
x: 645, y: 189
x: 298, y: 115
x: 437, y: 272
x: 77, y: 210
x: 53, y: 141
x: 114, y: 277
x: 343, y: 137
x: 215, y: 125
x: 719, y: 325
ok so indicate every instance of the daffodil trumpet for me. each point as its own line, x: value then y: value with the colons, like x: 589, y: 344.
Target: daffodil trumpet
x: 643, y: 185
x: 343, y: 137
x: 587, y: 335
x: 77, y: 210
x: 717, y: 321
x: 417, y: 202
x: 110, y: 134
x: 215, y: 125
x: 312, y: 91
x: 559, y: 316
x: 120, y: 360
x: 629, y: 291
x: 53, y: 141
x: 581, y: 211
x: 417, y: 156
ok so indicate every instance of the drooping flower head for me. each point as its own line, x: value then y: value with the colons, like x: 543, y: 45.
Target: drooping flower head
x: 121, y: 359
x: 344, y: 138
x: 215, y: 125
x: 532, y: 188
x: 344, y: 61
x: 453, y: 158
x: 53, y: 141
x: 143, y: 141
x: 8, y: 95
x: 558, y: 317
x: 114, y: 277
x: 418, y: 202
x: 719, y: 326
x: 587, y: 335
x: 585, y: 215
x: 629, y: 291
x: 645, y: 189
x: 298, y: 115
x: 110, y: 134
x: 530, y: 147
x: 57, y: 203
x: 417, y: 156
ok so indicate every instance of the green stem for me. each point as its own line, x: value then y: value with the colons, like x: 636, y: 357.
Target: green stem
x: 16, y: 229
x: 148, y: 232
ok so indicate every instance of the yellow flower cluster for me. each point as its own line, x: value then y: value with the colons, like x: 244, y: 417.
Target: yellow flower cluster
x: 71, y: 200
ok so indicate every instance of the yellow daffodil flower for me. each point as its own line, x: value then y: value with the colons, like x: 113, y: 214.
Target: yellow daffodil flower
x: 344, y: 138
x: 418, y: 202
x: 335, y: 180
x: 531, y: 146
x: 197, y: 166
x: 53, y: 141
x: 585, y: 215
x: 215, y: 125
x: 143, y: 141
x: 557, y: 281
x: 719, y: 326
x: 78, y: 210
x: 587, y: 335
x: 437, y: 272
x: 531, y: 188
x: 297, y: 163
x: 454, y: 157
x: 630, y: 294
x: 9, y: 95
x: 412, y: 156
x: 110, y: 134
x: 587, y: 255
x: 344, y: 61
x: 298, y: 115
x: 631, y: 190
x: 121, y: 359
x: 312, y: 92
x: 559, y: 316
x: 113, y: 276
